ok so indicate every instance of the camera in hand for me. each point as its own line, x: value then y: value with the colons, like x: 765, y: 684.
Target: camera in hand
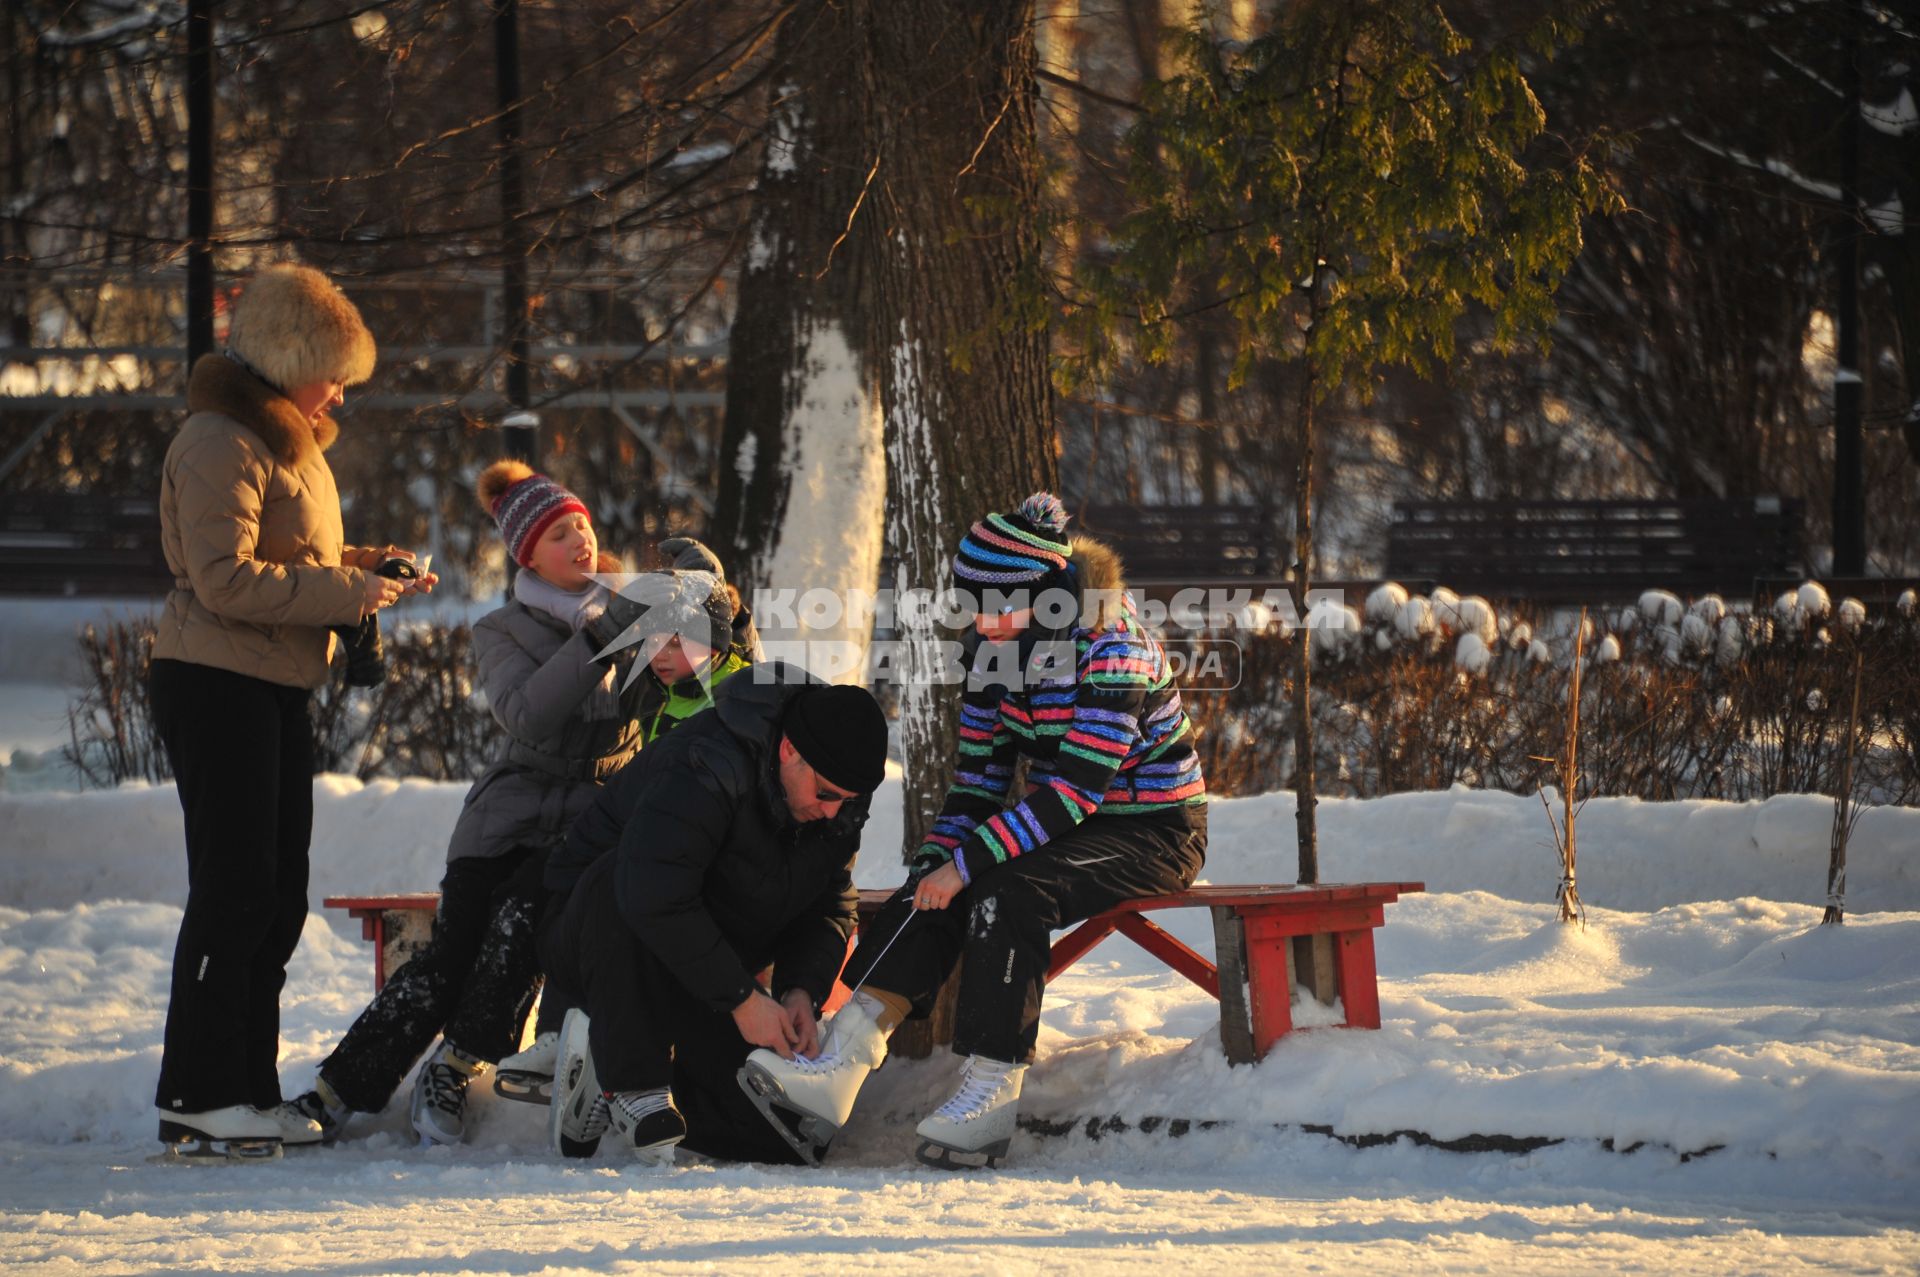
x: 366, y: 660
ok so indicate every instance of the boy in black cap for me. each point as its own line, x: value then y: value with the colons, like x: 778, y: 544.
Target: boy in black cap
x: 723, y: 850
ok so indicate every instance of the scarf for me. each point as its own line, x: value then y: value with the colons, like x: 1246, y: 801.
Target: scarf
x: 572, y: 608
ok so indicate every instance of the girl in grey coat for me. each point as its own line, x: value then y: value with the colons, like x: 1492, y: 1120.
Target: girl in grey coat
x: 568, y: 727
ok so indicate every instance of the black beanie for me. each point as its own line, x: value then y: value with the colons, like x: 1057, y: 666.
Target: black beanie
x: 842, y: 734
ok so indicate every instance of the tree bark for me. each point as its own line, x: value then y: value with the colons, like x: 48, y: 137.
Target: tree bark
x: 802, y: 482
x: 897, y: 216
x: 1304, y: 788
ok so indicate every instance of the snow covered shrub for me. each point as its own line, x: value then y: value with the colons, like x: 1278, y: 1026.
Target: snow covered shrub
x: 110, y: 730
x: 427, y: 718
x: 1697, y: 701
x: 424, y: 720
x: 1385, y: 602
x: 1661, y: 608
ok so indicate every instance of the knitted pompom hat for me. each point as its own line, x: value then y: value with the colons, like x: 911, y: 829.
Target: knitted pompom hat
x: 293, y: 327
x: 1022, y: 547
x: 523, y: 504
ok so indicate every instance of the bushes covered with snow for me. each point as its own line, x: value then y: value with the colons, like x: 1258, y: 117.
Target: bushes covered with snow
x: 1680, y: 700
x: 424, y: 721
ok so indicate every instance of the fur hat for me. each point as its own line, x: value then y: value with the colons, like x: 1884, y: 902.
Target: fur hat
x: 292, y: 327
x: 523, y: 504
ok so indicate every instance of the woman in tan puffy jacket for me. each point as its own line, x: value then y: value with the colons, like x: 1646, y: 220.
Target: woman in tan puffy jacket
x: 250, y: 522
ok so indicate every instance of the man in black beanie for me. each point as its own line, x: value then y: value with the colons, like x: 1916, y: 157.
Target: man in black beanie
x: 721, y: 856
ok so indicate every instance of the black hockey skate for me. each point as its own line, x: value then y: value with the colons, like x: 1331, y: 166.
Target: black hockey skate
x: 806, y: 1133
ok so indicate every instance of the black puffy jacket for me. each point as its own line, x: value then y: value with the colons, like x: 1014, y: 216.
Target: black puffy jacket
x: 711, y: 871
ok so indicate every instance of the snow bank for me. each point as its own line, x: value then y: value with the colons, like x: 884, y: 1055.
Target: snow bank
x: 1693, y: 1014
x: 62, y: 849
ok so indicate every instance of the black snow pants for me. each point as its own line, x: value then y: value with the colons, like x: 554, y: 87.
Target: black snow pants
x: 242, y: 756
x: 1003, y: 922
x: 647, y: 1031
x: 473, y: 982
x: 556, y: 998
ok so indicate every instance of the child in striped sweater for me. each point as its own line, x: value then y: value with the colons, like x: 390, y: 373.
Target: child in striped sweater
x: 1113, y: 809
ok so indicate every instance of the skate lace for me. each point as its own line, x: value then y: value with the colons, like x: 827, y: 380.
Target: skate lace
x: 825, y: 1062
x: 639, y: 1104
x: 311, y: 1107
x: 446, y: 1088
x: 977, y: 1089
x: 599, y: 1117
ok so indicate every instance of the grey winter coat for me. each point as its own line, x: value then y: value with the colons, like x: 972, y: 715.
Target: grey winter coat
x: 567, y: 728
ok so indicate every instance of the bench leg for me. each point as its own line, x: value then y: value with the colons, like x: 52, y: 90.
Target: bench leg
x: 403, y: 933
x: 1073, y: 946
x: 1313, y: 956
x: 1230, y: 962
x: 1168, y: 948
x: 1270, y: 979
x: 1359, y: 985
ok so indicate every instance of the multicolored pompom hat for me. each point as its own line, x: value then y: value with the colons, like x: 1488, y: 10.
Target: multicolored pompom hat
x: 1023, y: 547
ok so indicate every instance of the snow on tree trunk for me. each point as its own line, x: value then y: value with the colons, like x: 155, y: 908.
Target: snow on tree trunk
x: 802, y: 499
x: 969, y: 417
x: 897, y: 213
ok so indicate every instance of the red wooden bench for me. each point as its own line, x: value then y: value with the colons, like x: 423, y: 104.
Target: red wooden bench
x: 1269, y: 940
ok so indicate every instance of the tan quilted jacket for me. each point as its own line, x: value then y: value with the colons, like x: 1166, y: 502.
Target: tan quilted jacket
x: 250, y: 522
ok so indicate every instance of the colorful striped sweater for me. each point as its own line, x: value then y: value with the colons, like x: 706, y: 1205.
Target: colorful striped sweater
x: 1113, y: 738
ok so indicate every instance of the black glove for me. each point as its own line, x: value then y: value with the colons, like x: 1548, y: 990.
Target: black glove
x: 613, y: 621
x: 690, y: 555
x: 366, y: 657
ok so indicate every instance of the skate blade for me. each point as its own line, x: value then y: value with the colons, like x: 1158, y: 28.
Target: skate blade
x: 941, y: 1157
x: 806, y: 1134
x: 215, y: 1152
x: 574, y: 1088
x: 528, y: 1088
x: 655, y: 1157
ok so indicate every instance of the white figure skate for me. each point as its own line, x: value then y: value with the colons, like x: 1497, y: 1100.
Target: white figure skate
x: 577, y: 1117
x: 528, y: 1075
x: 974, y: 1128
x: 238, y: 1133
x: 808, y: 1101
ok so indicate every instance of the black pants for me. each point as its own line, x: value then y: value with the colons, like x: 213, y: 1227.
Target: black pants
x: 472, y: 983
x: 1002, y: 924
x: 647, y: 1031
x: 242, y: 756
x: 556, y: 998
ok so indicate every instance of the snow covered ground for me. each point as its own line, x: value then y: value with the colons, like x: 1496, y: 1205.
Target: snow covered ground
x: 1767, y: 1069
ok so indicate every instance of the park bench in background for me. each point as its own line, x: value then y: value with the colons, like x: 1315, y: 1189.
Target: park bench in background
x: 1191, y: 544
x: 77, y: 544
x: 1596, y: 551
x: 1270, y: 940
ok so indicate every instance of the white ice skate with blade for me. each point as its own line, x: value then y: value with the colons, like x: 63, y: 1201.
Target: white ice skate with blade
x: 577, y: 1117
x: 808, y: 1101
x: 528, y: 1075
x: 238, y: 1133
x: 975, y: 1127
